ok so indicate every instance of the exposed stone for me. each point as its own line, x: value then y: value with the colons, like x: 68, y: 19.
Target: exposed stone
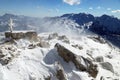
x: 47, y: 78
x: 43, y: 44
x: 14, y: 35
x: 99, y: 59
x: 5, y: 61
x: 11, y: 48
x: 102, y: 78
x: 31, y: 35
x: 53, y: 36
x: 107, y: 66
x: 64, y: 39
x: 31, y: 46
x: 92, y: 70
x: 1, y: 54
x: 98, y: 39
x: 68, y: 56
x: 77, y: 46
x: 109, y: 56
x: 60, y: 74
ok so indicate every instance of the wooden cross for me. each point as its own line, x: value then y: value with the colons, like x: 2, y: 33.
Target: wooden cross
x: 11, y: 25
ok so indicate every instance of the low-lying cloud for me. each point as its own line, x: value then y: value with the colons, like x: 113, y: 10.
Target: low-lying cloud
x: 59, y: 25
x: 72, y: 2
x: 91, y: 8
x: 116, y: 11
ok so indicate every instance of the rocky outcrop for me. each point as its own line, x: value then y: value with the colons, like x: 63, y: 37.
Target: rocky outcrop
x: 77, y: 46
x: 99, y: 59
x: 1, y: 54
x: 7, y: 53
x: 43, y: 44
x: 80, y: 62
x: 98, y: 39
x: 107, y: 66
x: 62, y: 38
x: 31, y: 46
x: 5, y: 61
x: 52, y: 36
x: 47, y: 78
x: 31, y: 35
x: 60, y: 74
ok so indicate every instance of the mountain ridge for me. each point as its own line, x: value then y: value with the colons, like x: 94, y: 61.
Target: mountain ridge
x: 107, y: 23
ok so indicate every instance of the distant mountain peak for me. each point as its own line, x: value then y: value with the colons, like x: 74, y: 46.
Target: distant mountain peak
x: 9, y: 15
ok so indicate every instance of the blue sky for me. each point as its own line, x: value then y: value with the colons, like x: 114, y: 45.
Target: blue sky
x: 42, y: 8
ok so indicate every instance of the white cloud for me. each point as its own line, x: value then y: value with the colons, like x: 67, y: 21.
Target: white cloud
x: 91, y: 8
x: 116, y: 11
x: 98, y: 7
x: 108, y: 9
x: 72, y: 2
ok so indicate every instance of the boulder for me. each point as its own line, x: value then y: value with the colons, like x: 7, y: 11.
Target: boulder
x: 31, y: 35
x: 31, y: 46
x: 1, y: 54
x: 107, y: 66
x: 77, y: 46
x: 80, y: 62
x: 5, y: 61
x: 52, y: 36
x: 64, y: 39
x: 98, y: 39
x: 99, y: 59
x: 47, y: 78
x: 60, y: 74
x: 43, y: 44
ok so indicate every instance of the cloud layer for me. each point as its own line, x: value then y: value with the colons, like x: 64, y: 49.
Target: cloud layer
x: 91, y: 8
x: 116, y: 11
x: 72, y: 2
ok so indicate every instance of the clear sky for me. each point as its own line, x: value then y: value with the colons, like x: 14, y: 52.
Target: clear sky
x: 42, y: 8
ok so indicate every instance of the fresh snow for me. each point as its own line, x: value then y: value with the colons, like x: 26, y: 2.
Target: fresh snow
x: 40, y: 63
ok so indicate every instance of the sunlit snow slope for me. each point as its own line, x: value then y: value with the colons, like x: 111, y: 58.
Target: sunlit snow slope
x: 28, y: 61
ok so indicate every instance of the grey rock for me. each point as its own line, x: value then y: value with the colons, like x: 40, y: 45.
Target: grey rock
x: 64, y: 39
x: 43, y: 44
x: 5, y: 61
x: 107, y: 66
x: 77, y: 46
x: 1, y: 54
x: 99, y: 59
x: 31, y: 46
x: 31, y: 35
x: 60, y: 74
x: 68, y: 56
x: 52, y: 36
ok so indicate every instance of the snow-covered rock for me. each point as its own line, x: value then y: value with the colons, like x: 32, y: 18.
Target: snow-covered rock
x: 107, y: 66
x: 28, y: 61
x: 80, y: 62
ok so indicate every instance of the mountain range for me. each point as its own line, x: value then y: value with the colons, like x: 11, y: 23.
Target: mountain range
x: 103, y: 24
